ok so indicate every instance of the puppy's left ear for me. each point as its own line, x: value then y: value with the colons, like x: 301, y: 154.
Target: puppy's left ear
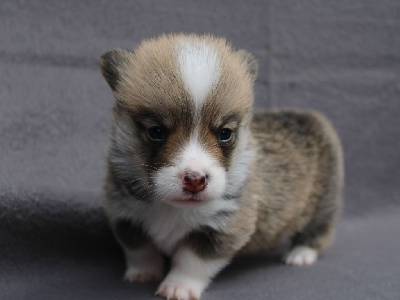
x: 112, y: 64
x: 251, y: 62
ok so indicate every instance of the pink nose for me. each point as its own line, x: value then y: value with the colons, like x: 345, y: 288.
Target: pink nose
x: 194, y: 181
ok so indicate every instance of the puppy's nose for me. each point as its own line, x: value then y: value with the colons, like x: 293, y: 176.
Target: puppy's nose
x: 194, y: 181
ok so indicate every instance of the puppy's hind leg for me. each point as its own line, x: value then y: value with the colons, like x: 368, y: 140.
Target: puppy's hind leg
x: 305, y: 251
x: 316, y: 236
x: 318, y: 233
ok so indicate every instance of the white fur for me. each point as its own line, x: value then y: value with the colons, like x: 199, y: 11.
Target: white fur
x: 167, y: 224
x: 301, y: 256
x: 143, y: 264
x: 193, y: 157
x: 189, y: 276
x: 166, y: 220
x: 200, y: 68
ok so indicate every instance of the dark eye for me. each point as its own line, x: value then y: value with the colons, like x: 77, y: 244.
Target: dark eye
x: 225, y: 135
x: 156, y: 134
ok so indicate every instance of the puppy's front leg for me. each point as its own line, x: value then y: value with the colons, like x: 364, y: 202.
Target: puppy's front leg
x: 143, y: 264
x: 190, y: 274
x: 143, y: 260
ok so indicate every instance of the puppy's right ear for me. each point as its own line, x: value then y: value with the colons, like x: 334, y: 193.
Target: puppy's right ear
x: 112, y: 64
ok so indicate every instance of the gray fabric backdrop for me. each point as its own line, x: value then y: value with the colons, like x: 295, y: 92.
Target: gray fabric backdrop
x: 339, y: 57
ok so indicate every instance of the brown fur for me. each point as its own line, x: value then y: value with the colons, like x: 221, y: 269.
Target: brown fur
x: 297, y: 177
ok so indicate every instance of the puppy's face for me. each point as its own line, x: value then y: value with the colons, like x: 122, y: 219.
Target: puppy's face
x: 181, y: 118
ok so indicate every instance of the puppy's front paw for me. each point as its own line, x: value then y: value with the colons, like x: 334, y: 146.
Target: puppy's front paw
x: 144, y: 264
x: 136, y: 275
x: 183, y: 290
x: 301, y: 256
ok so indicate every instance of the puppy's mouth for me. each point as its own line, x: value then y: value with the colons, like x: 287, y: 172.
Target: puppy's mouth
x: 189, y: 201
x: 189, y: 198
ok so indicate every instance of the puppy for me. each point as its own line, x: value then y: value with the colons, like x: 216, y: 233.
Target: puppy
x: 194, y: 175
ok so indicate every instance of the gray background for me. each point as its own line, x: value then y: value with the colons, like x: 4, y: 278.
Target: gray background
x: 339, y: 57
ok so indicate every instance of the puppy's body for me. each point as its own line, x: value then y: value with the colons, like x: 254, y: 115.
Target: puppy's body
x: 193, y: 175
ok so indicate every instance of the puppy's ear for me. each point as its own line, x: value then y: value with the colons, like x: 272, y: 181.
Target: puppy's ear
x: 251, y: 62
x: 112, y: 64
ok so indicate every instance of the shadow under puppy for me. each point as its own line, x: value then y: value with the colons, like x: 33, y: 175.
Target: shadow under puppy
x: 193, y: 174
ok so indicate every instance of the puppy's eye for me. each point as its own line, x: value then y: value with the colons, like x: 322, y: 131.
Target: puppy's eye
x: 225, y: 135
x: 156, y: 134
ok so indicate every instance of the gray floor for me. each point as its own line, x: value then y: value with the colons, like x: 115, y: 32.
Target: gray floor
x: 339, y: 57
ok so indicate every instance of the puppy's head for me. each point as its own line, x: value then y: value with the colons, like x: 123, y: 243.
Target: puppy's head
x: 181, y: 118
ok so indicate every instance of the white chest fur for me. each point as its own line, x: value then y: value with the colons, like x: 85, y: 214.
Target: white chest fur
x: 167, y: 225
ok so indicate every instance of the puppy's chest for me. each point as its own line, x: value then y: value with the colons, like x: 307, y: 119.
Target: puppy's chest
x: 166, y: 225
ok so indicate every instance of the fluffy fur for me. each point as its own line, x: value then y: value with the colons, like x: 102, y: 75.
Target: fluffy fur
x: 276, y: 175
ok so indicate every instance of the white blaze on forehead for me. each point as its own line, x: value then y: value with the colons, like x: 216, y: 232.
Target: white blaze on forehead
x: 200, y: 68
x: 193, y: 156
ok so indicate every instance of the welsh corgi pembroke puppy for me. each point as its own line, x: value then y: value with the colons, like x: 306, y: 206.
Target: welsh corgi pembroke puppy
x: 194, y: 175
